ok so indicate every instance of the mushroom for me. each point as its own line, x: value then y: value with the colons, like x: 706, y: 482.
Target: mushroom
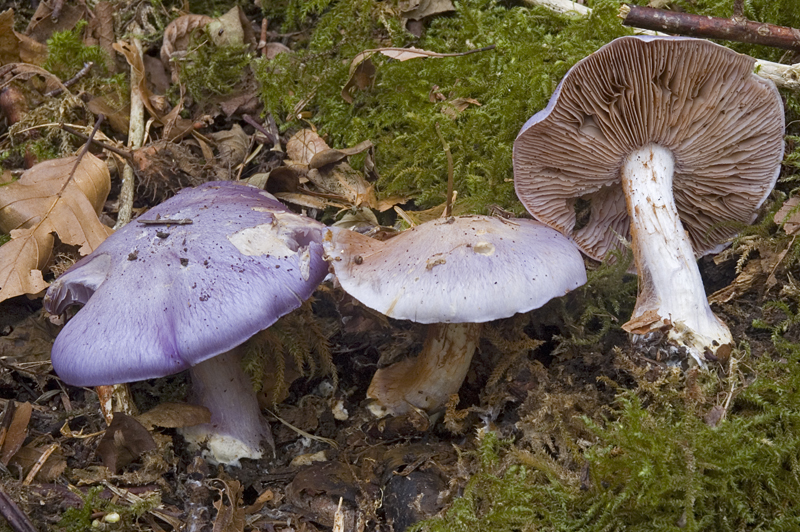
x: 671, y: 143
x: 453, y: 274
x: 180, y: 288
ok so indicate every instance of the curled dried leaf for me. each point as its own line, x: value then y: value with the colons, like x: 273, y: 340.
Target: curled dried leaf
x: 46, y: 201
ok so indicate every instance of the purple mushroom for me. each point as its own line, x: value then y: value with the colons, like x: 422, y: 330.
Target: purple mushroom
x: 671, y: 143
x: 453, y: 274
x: 181, y: 288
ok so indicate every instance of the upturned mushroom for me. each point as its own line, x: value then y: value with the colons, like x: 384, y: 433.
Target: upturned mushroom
x: 671, y: 143
x: 453, y: 274
x: 180, y: 288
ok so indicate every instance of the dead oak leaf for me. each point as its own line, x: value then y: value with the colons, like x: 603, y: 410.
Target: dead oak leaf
x: 788, y: 216
x: 45, y: 201
x: 304, y: 145
x: 231, y: 516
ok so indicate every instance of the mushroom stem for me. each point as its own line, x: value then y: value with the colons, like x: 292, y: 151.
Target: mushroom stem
x: 428, y: 380
x: 237, y: 428
x: 671, y: 294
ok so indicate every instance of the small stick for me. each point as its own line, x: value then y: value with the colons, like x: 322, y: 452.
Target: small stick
x: 271, y: 136
x: 448, y: 204
x: 16, y: 519
x: 122, y: 153
x: 166, y: 221
x: 738, y: 10
x: 135, y: 137
x: 39, y: 464
x: 710, y: 27
x: 71, y: 81
x: 262, y: 42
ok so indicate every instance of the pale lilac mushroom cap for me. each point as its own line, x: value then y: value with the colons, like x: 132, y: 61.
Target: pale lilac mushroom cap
x: 468, y: 269
x: 161, y: 298
x: 452, y: 274
x: 655, y: 137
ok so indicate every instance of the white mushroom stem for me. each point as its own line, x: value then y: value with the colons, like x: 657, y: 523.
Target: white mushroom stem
x: 671, y: 293
x: 428, y: 380
x: 237, y: 428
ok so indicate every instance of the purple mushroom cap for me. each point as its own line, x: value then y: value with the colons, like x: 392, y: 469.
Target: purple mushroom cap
x: 163, y: 297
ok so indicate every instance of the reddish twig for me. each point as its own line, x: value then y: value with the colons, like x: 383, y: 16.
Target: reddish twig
x: 125, y: 154
x: 262, y: 42
x: 711, y: 27
x: 81, y: 73
x: 16, y: 519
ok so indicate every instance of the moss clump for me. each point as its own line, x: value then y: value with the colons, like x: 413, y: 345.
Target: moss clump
x: 80, y: 519
x: 66, y: 53
x: 213, y: 70
x: 661, y: 461
x: 534, y: 48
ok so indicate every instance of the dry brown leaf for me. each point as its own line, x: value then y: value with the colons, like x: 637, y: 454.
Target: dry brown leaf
x: 25, y: 71
x: 29, y: 343
x: 9, y: 43
x: 174, y: 125
x: 345, y: 182
x: 42, y: 26
x: 456, y: 106
x: 308, y: 201
x: 228, y: 29
x: 44, y: 202
x: 177, y: 37
x: 360, y: 78
x: 124, y: 442
x: 331, y: 155
x: 420, y: 9
x: 100, y: 31
x: 232, y: 146
x: 116, y: 112
x: 174, y: 415
x: 304, y: 145
x: 230, y: 517
x: 17, y: 430
x: 28, y: 456
x: 789, y: 215
x: 30, y: 50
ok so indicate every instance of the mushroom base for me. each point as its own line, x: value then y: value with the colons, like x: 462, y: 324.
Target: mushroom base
x: 428, y: 380
x: 237, y: 429
x: 671, y: 295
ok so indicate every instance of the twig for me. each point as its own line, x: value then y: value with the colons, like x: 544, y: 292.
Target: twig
x: 16, y: 519
x: 39, y: 464
x: 71, y: 81
x: 82, y: 153
x: 135, y: 139
x: 262, y: 41
x: 270, y: 135
x: 738, y: 10
x: 448, y: 204
x: 710, y: 27
x: 122, y: 153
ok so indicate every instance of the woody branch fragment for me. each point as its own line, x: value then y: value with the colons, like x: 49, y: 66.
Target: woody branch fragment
x: 732, y: 29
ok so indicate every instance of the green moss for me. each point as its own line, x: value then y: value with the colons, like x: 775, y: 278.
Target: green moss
x: 534, y: 48
x: 211, y: 70
x: 66, y: 53
x: 657, y: 464
x: 80, y: 519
